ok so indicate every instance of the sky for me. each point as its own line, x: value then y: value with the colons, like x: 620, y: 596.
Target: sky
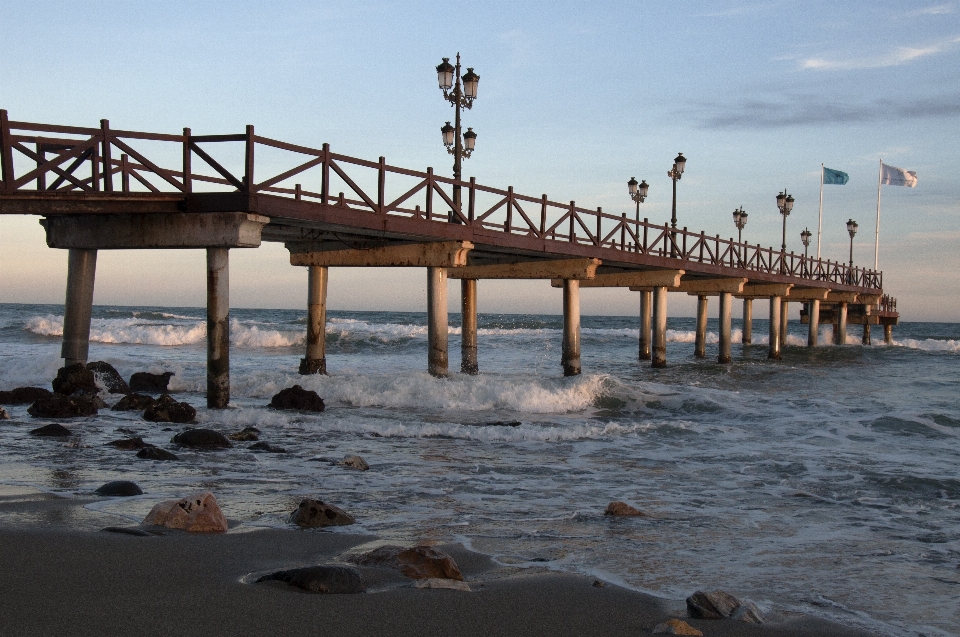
x: 574, y: 99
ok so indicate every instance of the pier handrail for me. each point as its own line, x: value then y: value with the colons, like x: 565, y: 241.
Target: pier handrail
x: 93, y: 166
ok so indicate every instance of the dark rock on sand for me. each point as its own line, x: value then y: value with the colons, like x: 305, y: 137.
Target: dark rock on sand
x: 198, y: 513
x: 127, y: 531
x: 120, y: 488
x: 150, y: 383
x: 419, y: 562
x: 748, y: 612
x: 23, y: 395
x: 57, y: 406
x: 51, y: 430
x: 715, y: 605
x: 201, y: 439
x: 333, y: 580
x: 622, y: 508
x: 266, y: 446
x: 166, y: 409
x: 354, y: 462
x: 74, y: 378
x: 298, y: 398
x: 247, y: 434
x: 676, y: 627
x: 134, y: 402
x: 314, y: 513
x: 110, y: 377
x: 129, y: 444
x: 156, y: 453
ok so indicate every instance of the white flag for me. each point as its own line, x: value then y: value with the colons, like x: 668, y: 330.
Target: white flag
x: 893, y: 176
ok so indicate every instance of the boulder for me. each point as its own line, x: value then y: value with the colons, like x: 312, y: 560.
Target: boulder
x: 3, y: 414
x: 156, y: 453
x: 134, y: 402
x: 437, y: 582
x: 110, y: 377
x: 166, y: 409
x: 51, y: 430
x: 266, y: 446
x: 333, y: 580
x: 748, y: 612
x: 201, y: 439
x: 247, y: 434
x: 198, y: 513
x: 354, y: 462
x: 23, y: 395
x: 676, y: 627
x: 129, y: 444
x: 57, y: 406
x: 120, y: 488
x: 150, y: 383
x: 622, y: 508
x: 715, y: 605
x: 75, y: 378
x: 314, y: 513
x: 419, y: 562
x: 298, y: 398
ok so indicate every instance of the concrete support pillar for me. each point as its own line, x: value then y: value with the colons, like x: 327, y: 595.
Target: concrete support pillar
x: 700, y: 345
x: 866, y: 333
x: 784, y: 318
x: 841, y: 333
x: 81, y: 272
x: 888, y: 334
x: 775, y: 306
x: 747, y: 321
x: 813, y: 327
x: 218, y: 327
x: 645, y: 303
x: 659, y: 327
x: 726, y: 300
x: 571, y: 327
x: 316, y: 359
x: 437, y: 360
x: 468, y: 326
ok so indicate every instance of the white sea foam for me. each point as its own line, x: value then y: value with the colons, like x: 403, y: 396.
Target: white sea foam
x: 930, y: 344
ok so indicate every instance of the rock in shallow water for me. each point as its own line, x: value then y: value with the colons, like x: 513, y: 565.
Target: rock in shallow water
x: 120, y: 488
x: 134, y: 402
x: 129, y: 444
x: 57, y: 406
x: 622, y: 509
x: 109, y: 376
x: 247, y: 434
x: 354, y: 462
x: 74, y: 378
x: 50, y: 430
x: 201, y: 439
x: 748, y: 612
x: 419, y: 562
x: 166, y: 409
x: 676, y: 627
x: 23, y: 395
x: 333, y: 580
x: 314, y: 513
x: 3, y: 414
x: 298, y: 398
x: 198, y: 513
x: 150, y: 383
x: 156, y: 453
x: 266, y: 446
x: 715, y: 605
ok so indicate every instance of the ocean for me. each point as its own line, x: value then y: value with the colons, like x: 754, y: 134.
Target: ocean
x: 827, y: 483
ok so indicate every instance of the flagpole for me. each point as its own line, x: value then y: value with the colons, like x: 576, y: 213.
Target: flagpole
x: 820, y: 222
x: 876, y: 244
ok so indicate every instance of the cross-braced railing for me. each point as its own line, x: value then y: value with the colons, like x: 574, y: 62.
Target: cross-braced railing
x: 84, y: 160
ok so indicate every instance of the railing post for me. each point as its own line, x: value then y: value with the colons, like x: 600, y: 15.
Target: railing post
x: 381, y: 186
x: 297, y: 192
x: 429, y: 194
x: 646, y: 226
x: 6, y: 153
x: 599, y: 221
x: 107, y: 159
x: 95, y: 168
x: 472, y: 200
x: 325, y: 175
x: 509, y: 223
x: 187, y: 164
x: 41, y: 160
x: 543, y: 215
x: 573, y: 229
x: 623, y: 231
x: 248, y: 181
x: 125, y: 172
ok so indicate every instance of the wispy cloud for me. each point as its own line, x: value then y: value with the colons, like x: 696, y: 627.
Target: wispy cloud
x: 899, y: 56
x: 740, y: 9
x: 807, y: 110
x: 937, y: 9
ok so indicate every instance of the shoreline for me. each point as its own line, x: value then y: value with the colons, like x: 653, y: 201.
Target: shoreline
x: 65, y: 576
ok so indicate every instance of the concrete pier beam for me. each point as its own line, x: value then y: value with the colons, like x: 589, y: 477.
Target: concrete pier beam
x: 813, y: 326
x: 571, y: 327
x: 218, y: 327
x: 747, y: 321
x: 437, y: 358
x: 659, y: 327
x: 81, y: 272
x: 775, y: 307
x: 841, y: 336
x: 315, y: 361
x: 888, y: 334
x: 726, y: 300
x: 866, y: 334
x: 645, y: 308
x: 468, y: 326
x: 700, y: 344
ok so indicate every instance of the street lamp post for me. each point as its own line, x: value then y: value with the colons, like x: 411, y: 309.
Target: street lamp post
x: 852, y: 231
x: 679, y: 163
x: 739, y: 220
x: 785, y: 204
x: 805, y: 237
x: 460, y: 92
x: 638, y: 192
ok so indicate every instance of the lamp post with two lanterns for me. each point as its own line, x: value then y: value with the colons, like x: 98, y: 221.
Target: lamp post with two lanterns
x: 679, y: 163
x: 460, y: 92
x: 852, y: 231
x: 805, y: 238
x: 740, y: 221
x: 638, y: 192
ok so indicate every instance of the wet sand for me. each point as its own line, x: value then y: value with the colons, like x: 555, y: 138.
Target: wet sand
x: 62, y: 576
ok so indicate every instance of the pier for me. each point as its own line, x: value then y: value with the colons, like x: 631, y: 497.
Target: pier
x: 104, y: 189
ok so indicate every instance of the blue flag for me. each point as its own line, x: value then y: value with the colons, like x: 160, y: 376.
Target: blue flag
x: 838, y: 177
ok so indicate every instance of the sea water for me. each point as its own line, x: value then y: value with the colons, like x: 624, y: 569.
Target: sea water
x: 827, y: 483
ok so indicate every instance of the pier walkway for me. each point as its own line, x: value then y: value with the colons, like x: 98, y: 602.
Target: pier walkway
x: 105, y: 189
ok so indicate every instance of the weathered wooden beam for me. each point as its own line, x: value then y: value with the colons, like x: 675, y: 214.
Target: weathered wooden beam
x: 439, y: 254
x: 560, y: 269
x: 646, y: 279
x: 156, y: 230
x: 700, y: 287
x: 808, y: 294
x: 764, y: 290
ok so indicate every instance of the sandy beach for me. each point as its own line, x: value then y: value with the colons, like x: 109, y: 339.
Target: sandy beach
x: 64, y: 576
